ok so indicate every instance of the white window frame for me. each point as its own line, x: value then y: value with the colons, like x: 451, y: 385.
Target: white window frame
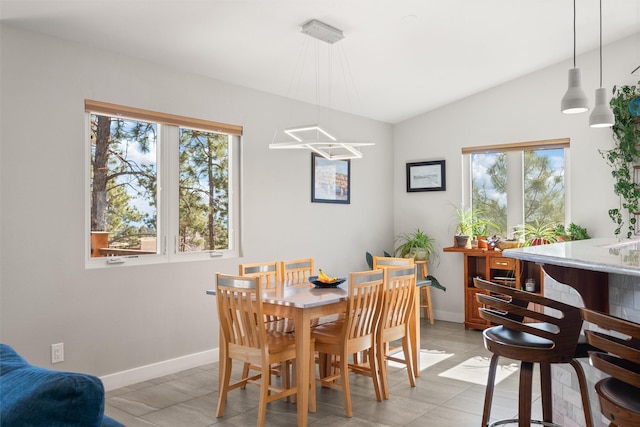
x: 515, y: 176
x: 167, y: 186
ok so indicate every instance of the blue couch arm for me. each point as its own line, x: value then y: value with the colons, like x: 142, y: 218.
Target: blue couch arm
x: 33, y: 396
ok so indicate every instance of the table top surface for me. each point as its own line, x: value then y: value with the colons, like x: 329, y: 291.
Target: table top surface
x: 306, y: 294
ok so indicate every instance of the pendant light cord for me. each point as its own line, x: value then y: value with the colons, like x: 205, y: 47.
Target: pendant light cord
x: 574, y: 33
x: 600, y: 43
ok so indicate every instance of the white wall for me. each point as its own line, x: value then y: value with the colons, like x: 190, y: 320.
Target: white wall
x: 526, y: 109
x: 114, y: 320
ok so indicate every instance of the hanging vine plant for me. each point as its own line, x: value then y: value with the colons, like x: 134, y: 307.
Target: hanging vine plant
x: 625, y: 156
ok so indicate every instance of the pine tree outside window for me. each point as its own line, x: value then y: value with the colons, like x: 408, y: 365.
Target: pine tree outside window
x: 522, y: 183
x: 159, y: 187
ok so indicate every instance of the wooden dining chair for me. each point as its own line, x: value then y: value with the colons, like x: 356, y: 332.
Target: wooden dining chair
x: 270, y: 276
x: 351, y: 334
x: 421, y: 271
x: 386, y: 261
x: 398, y: 306
x: 247, y: 340
x: 297, y: 270
x: 270, y: 273
x: 546, y: 338
x: 619, y: 342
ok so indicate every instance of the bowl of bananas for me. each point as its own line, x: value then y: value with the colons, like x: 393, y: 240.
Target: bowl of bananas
x: 323, y: 280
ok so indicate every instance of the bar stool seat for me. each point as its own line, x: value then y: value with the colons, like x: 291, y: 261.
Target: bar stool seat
x: 547, y: 338
x: 618, y: 393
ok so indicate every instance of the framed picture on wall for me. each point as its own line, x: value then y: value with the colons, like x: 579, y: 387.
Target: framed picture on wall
x: 330, y: 180
x: 426, y: 176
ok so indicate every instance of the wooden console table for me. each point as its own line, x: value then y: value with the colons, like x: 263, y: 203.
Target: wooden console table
x: 492, y: 265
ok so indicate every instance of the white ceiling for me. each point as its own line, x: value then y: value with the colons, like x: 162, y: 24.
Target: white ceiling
x: 404, y: 57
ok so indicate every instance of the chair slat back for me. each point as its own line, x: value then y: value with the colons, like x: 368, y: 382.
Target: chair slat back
x: 239, y: 308
x: 382, y: 261
x: 268, y: 272
x: 364, y: 304
x: 619, y: 341
x: 297, y: 270
x: 399, y: 296
x: 559, y: 323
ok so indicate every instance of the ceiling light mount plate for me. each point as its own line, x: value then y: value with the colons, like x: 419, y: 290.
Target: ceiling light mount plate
x: 322, y: 31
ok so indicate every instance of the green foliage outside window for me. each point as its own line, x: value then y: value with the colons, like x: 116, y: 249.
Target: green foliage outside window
x: 543, y: 192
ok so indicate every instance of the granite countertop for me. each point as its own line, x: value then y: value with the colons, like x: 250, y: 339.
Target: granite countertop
x: 601, y: 254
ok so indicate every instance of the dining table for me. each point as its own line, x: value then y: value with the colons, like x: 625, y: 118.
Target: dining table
x: 303, y: 302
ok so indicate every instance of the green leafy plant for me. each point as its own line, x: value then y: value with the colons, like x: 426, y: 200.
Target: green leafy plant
x: 576, y: 232
x: 417, y: 245
x: 537, y: 234
x: 464, y: 226
x: 369, y: 258
x: 561, y: 233
x: 621, y: 158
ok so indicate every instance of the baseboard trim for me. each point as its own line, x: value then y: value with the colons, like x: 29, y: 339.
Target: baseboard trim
x: 155, y: 370
x: 448, y: 316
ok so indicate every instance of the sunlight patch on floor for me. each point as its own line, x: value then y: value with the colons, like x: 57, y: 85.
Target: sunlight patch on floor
x: 476, y: 369
x: 428, y: 358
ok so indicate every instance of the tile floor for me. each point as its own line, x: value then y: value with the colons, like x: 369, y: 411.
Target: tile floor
x: 449, y: 392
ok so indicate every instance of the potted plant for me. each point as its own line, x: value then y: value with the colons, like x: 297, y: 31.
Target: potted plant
x: 561, y: 233
x: 537, y: 234
x: 576, y: 232
x: 623, y: 156
x: 417, y: 245
x: 464, y: 227
x: 480, y: 230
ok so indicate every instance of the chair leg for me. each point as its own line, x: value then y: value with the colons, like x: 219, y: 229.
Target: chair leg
x: 408, y: 357
x: 525, y: 394
x: 426, y: 303
x: 346, y: 389
x: 488, y: 396
x: 264, y: 394
x: 375, y: 374
x: 545, y: 391
x: 584, y: 392
x: 225, y: 368
x: 245, y: 372
x: 381, y: 352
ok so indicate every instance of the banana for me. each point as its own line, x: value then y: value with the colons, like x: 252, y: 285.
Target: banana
x: 324, y: 278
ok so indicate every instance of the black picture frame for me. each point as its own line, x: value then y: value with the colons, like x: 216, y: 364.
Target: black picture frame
x: 330, y: 180
x: 426, y: 176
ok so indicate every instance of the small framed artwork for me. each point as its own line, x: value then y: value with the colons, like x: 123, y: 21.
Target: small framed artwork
x: 426, y: 176
x: 330, y: 180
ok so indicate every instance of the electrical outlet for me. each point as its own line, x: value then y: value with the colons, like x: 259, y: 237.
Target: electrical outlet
x: 57, y: 353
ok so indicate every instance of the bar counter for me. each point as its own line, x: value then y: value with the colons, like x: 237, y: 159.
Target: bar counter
x: 590, y: 266
x: 606, y: 275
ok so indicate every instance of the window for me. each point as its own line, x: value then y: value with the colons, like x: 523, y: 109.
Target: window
x: 160, y: 187
x: 519, y: 183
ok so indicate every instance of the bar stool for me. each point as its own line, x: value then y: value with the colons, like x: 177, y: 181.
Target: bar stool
x: 553, y: 338
x: 619, y: 394
x: 425, y: 292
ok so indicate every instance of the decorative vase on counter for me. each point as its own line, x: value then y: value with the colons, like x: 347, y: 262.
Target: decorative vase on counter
x: 462, y: 241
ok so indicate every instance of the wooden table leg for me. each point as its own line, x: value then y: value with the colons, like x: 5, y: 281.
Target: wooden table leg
x: 303, y: 343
